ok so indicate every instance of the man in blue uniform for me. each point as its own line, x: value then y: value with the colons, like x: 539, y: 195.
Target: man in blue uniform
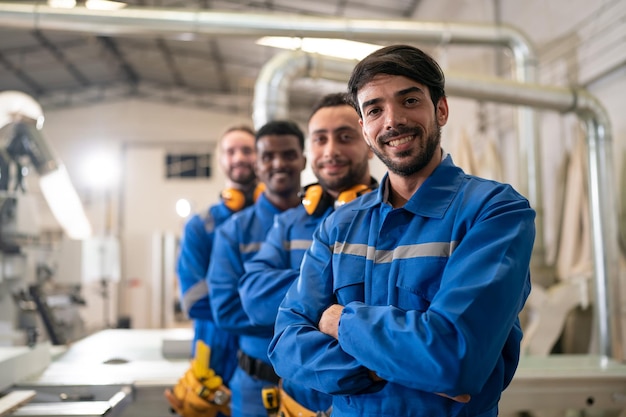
x: 280, y: 161
x: 408, y: 299
x: 237, y: 156
x: 340, y: 161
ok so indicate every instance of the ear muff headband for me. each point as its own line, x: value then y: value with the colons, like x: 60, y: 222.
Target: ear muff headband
x: 237, y: 200
x: 316, y: 201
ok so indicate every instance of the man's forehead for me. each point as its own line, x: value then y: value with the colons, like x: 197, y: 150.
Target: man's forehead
x: 334, y: 118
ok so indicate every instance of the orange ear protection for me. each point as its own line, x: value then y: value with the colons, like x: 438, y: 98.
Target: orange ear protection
x: 316, y: 201
x: 237, y: 200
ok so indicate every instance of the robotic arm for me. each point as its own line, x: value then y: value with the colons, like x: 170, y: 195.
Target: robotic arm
x: 21, y: 141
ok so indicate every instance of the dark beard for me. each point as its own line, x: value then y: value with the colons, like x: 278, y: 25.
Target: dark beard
x: 244, y: 180
x: 352, y: 178
x: 420, y: 161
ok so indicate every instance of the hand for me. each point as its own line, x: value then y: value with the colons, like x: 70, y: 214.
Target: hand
x: 329, y: 322
x: 175, y: 403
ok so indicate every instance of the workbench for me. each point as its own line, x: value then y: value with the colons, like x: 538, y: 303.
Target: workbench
x: 110, y: 360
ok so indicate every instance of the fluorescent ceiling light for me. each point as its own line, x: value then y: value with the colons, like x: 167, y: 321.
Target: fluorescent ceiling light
x: 104, y: 5
x: 90, y: 4
x: 62, y: 4
x: 338, y: 48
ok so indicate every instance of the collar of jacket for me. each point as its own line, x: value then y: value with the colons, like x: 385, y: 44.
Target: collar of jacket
x: 433, y: 198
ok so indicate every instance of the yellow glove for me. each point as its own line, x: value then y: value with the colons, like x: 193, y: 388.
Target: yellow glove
x: 192, y: 398
x: 200, y: 392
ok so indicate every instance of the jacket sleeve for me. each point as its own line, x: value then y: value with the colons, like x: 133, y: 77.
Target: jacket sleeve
x: 457, y: 342
x: 299, y: 351
x: 223, y: 281
x: 267, y: 277
x: 192, y: 265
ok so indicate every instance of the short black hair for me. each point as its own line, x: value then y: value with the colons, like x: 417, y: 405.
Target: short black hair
x: 330, y: 100
x: 404, y: 60
x: 281, y: 127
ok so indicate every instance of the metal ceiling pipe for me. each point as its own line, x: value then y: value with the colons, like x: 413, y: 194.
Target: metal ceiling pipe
x: 271, y: 102
x: 188, y: 23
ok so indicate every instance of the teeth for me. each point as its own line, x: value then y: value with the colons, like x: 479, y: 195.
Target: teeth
x: 398, y: 142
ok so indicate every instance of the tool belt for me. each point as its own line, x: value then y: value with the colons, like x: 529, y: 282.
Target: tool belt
x: 256, y: 368
x: 291, y: 408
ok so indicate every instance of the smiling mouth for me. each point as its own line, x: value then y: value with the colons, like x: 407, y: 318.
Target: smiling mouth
x: 401, y: 141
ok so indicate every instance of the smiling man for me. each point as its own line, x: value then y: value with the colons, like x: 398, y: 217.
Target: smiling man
x: 408, y: 298
x: 280, y: 161
x: 340, y: 161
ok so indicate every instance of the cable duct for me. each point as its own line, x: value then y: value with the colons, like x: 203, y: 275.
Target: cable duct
x: 144, y: 21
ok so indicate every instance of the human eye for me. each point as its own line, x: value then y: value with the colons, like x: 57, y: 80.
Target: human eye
x: 266, y: 157
x: 411, y: 101
x: 372, y: 111
x: 347, y: 136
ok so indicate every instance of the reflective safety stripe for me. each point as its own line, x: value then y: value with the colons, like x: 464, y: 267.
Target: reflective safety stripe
x: 249, y: 247
x: 196, y: 292
x: 297, y: 244
x: 418, y: 250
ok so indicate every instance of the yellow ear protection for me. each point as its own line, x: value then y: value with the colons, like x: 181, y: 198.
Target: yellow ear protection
x: 316, y: 201
x: 237, y: 200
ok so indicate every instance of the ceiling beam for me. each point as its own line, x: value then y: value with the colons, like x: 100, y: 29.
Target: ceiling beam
x: 170, y: 62
x: 60, y: 57
x: 30, y: 83
x: 129, y: 72
x: 218, y: 61
x: 412, y: 8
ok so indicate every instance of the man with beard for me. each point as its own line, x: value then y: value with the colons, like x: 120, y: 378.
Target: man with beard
x: 280, y: 162
x: 340, y: 161
x: 236, y: 156
x: 408, y: 299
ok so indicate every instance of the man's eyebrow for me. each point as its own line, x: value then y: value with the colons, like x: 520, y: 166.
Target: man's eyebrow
x: 338, y: 129
x: 370, y: 102
x: 412, y: 89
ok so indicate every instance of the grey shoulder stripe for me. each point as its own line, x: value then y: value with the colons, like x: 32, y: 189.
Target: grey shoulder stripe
x: 193, y: 294
x: 301, y: 244
x: 418, y: 250
x: 250, y: 247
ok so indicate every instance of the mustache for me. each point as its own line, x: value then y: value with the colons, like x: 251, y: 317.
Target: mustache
x: 333, y: 161
x: 241, y: 165
x: 404, y: 130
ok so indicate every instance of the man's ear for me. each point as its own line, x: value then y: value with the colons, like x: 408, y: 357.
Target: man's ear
x: 442, y: 111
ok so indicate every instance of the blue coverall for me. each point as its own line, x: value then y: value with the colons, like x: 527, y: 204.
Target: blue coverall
x: 432, y: 293
x: 268, y: 276
x: 192, y: 266
x: 237, y: 241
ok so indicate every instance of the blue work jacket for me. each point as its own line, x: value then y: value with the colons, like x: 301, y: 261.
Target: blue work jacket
x: 268, y: 276
x: 192, y: 266
x: 236, y: 242
x: 432, y: 293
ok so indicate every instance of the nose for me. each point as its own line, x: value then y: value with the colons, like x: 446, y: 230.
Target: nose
x: 331, y: 148
x: 278, y: 162
x: 394, y: 118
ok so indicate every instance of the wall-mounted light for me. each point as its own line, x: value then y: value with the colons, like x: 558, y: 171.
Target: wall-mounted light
x: 183, y: 207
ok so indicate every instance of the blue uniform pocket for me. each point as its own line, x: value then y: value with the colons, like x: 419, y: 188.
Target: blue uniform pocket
x: 417, y: 282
